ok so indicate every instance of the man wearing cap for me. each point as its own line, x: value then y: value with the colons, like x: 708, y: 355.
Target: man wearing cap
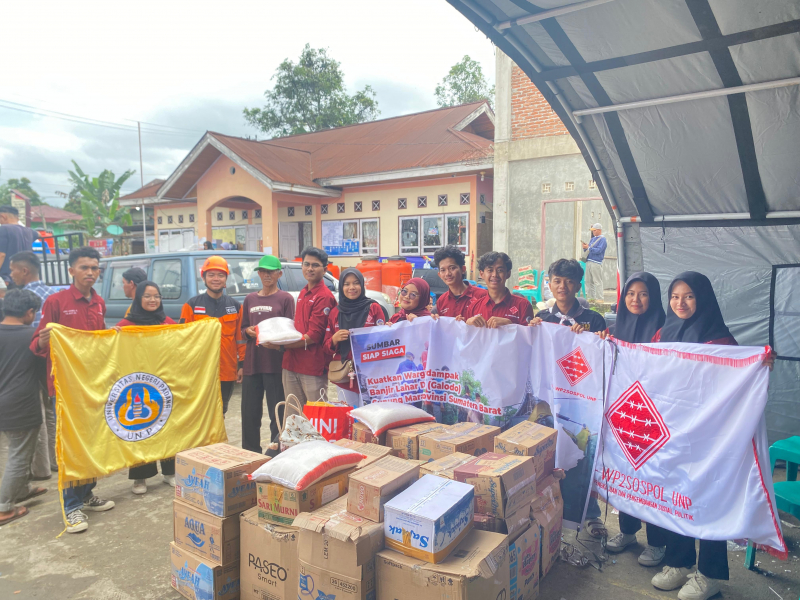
x: 263, y: 367
x: 215, y: 304
x: 594, y: 263
x: 130, y: 279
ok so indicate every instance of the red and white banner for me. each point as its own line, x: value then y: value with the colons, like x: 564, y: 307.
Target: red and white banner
x: 684, y: 443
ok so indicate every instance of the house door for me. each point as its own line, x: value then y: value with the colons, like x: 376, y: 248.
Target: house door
x: 253, y: 237
x: 289, y: 234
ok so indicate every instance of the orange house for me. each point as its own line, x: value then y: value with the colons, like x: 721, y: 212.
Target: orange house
x: 401, y: 186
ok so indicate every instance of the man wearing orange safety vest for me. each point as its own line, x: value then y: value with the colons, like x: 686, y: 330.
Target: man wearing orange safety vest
x: 215, y: 304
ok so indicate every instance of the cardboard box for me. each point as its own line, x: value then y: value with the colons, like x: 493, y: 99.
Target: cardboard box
x: 548, y: 510
x: 196, y: 578
x: 530, y: 439
x: 444, y: 466
x: 371, y: 488
x: 469, y: 438
x: 404, y: 441
x: 503, y: 483
x: 214, y: 478
x: 280, y: 505
x: 477, y: 569
x: 269, y: 567
x: 510, y: 526
x: 430, y: 518
x: 335, y: 540
x: 318, y: 583
x: 523, y: 564
x: 210, y: 537
x: 362, y: 433
x: 373, y: 452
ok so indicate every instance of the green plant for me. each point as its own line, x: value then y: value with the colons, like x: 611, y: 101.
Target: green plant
x: 464, y: 84
x: 99, y: 199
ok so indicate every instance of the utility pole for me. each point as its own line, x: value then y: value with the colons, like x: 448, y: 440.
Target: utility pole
x: 141, y: 176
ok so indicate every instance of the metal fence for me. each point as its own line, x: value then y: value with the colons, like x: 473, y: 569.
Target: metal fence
x: 54, y: 257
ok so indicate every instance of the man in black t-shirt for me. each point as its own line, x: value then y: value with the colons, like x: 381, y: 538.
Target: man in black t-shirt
x: 565, y: 283
x: 20, y: 403
x: 13, y: 238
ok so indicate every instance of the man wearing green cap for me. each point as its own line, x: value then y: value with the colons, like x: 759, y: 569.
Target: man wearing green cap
x: 263, y: 367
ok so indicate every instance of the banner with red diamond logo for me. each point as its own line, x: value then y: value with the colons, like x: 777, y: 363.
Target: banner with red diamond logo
x: 637, y: 425
x: 574, y: 366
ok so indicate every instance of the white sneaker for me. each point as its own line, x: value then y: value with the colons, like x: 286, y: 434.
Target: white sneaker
x: 652, y: 556
x: 139, y: 486
x: 619, y: 542
x: 670, y: 578
x: 169, y: 480
x: 77, y: 522
x: 699, y: 587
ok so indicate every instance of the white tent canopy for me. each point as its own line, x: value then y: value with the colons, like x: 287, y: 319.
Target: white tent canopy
x: 687, y: 112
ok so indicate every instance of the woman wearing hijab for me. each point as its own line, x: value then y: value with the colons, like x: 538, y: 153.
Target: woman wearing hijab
x: 639, y: 316
x: 354, y: 310
x: 693, y: 317
x: 414, y: 300
x: 147, y: 310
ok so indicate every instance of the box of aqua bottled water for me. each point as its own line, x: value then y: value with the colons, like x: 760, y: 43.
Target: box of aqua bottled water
x: 198, y: 579
x: 214, y: 478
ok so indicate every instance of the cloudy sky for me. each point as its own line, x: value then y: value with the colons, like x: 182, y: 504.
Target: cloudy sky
x: 186, y: 67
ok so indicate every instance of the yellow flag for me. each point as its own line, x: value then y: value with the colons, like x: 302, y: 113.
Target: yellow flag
x: 133, y: 397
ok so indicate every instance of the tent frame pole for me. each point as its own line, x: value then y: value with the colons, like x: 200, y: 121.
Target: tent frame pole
x: 779, y: 214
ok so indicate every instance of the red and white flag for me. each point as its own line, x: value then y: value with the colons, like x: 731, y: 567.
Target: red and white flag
x: 684, y: 443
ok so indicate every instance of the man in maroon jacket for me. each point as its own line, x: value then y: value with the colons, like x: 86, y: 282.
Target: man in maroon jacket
x: 79, y: 307
x: 460, y: 294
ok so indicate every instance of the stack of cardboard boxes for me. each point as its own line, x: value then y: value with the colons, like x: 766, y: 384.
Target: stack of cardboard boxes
x: 211, y: 490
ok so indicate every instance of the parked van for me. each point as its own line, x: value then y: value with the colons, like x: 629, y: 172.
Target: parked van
x: 178, y: 276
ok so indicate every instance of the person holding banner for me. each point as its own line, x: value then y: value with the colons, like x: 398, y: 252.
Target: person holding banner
x: 499, y: 306
x: 565, y: 277
x: 146, y: 310
x: 78, y: 307
x: 639, y: 316
x: 414, y: 300
x: 355, y: 310
x: 460, y: 294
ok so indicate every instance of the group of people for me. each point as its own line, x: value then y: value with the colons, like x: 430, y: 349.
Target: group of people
x: 304, y: 368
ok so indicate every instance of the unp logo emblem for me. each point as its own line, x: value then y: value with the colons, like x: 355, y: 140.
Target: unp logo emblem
x: 138, y: 406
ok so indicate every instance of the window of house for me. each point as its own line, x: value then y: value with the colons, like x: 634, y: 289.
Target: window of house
x: 340, y: 207
x: 464, y: 199
x: 422, y: 201
x: 569, y: 186
x: 180, y: 218
x: 352, y: 237
x: 219, y: 216
x: 545, y: 188
x: 231, y: 215
x: 191, y: 218
x: 290, y: 211
x: 160, y: 220
x: 308, y: 210
x: 323, y: 209
x: 784, y: 321
x: 592, y: 184
x: 376, y: 205
x: 258, y: 213
x: 424, y: 234
x: 442, y: 199
x: 370, y: 236
x: 244, y: 214
x: 357, y: 206
x: 402, y: 203
x: 169, y: 219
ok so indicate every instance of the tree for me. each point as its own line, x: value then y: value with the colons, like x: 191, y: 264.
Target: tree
x: 310, y: 96
x: 24, y: 187
x: 99, y: 199
x: 464, y: 84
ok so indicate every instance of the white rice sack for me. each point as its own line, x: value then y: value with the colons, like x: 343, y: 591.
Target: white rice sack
x: 277, y: 330
x: 304, y: 464
x: 381, y: 416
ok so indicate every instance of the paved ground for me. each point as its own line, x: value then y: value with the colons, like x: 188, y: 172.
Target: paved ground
x: 124, y: 554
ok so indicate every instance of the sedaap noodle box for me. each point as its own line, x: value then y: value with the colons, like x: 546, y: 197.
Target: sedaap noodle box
x: 429, y: 518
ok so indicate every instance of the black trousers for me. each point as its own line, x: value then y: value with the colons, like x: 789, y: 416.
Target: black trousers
x: 150, y: 469
x: 713, y: 559
x: 253, y: 389
x: 656, y: 536
x: 226, y: 387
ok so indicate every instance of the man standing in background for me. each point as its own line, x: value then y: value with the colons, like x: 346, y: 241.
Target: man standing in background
x: 13, y: 238
x: 130, y: 279
x: 594, y: 263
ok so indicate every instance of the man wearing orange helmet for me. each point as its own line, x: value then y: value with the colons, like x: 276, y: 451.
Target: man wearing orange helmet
x: 215, y: 304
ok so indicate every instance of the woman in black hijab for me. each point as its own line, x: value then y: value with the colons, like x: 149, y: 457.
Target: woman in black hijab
x: 639, y: 316
x: 146, y: 310
x: 355, y: 310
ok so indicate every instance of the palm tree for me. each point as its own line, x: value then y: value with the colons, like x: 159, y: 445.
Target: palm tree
x: 99, y: 198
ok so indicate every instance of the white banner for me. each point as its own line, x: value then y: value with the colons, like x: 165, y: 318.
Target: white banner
x: 697, y: 413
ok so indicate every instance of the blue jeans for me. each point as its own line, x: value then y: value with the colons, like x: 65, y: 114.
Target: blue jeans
x: 74, y: 497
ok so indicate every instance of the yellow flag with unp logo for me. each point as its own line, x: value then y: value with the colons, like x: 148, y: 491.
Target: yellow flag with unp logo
x: 133, y: 397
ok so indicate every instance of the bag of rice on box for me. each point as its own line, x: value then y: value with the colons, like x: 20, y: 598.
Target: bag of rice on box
x: 304, y: 464
x: 382, y: 416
